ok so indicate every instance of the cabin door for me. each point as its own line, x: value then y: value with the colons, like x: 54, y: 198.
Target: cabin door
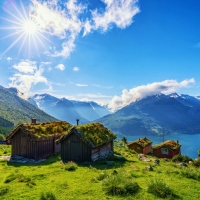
x: 75, y: 152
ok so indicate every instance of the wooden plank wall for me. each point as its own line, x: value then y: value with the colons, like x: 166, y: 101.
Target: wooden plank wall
x: 23, y: 146
x: 16, y: 144
x: 83, y: 149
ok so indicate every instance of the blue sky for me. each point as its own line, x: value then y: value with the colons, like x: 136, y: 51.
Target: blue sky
x: 110, y: 51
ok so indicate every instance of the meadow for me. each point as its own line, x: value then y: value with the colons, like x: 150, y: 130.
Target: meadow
x: 122, y: 176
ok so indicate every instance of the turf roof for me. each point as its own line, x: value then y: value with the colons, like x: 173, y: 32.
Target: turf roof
x: 142, y: 142
x: 39, y: 130
x: 169, y: 143
x: 94, y: 133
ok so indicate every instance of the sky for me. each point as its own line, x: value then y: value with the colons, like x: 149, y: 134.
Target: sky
x: 108, y: 51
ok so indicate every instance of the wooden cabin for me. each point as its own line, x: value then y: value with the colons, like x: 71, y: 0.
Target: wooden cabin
x: 167, y: 149
x: 88, y: 142
x: 37, y: 140
x: 142, y: 145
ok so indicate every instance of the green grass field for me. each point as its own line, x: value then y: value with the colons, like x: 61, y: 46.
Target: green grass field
x: 91, y: 180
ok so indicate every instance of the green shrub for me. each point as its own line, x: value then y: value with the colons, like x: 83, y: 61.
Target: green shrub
x: 10, y: 178
x: 71, y: 166
x: 159, y: 189
x: 196, y: 162
x: 47, y: 196
x: 181, y: 158
x: 3, y: 190
x: 64, y: 185
x: 2, y: 137
x: 190, y: 173
x: 118, y: 184
x: 102, y: 176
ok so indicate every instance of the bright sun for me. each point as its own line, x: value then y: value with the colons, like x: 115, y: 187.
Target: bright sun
x: 24, y: 29
x: 30, y: 27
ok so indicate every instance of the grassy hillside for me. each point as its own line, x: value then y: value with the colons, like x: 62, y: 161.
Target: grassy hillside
x: 93, y: 180
x: 14, y: 110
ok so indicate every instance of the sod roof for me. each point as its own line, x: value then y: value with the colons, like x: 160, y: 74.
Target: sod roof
x: 94, y: 133
x: 141, y: 141
x: 169, y: 143
x: 38, y: 130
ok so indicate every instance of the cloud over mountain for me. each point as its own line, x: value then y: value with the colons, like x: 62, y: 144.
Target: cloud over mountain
x: 27, y: 74
x: 166, y: 87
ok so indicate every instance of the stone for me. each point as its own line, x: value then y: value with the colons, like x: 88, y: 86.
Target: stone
x: 182, y: 164
x: 149, y: 168
x: 156, y: 161
x: 140, y: 156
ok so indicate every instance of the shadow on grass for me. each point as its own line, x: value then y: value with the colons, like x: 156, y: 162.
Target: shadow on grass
x: 52, y: 159
x: 111, y: 162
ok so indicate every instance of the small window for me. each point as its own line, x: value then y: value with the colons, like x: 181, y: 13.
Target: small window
x: 138, y: 148
x: 164, y: 151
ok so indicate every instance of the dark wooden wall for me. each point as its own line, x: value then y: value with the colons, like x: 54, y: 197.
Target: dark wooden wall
x: 22, y: 145
x: 74, y: 149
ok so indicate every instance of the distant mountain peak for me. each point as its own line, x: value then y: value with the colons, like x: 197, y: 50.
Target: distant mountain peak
x: 174, y: 95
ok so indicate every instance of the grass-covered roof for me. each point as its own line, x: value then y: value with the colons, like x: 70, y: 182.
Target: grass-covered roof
x: 142, y: 142
x: 169, y: 143
x: 94, y: 134
x: 38, y: 130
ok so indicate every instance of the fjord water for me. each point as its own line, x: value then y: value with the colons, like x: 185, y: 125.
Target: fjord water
x: 190, y: 144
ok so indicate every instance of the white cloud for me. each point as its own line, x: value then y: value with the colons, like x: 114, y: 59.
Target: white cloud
x: 60, y: 66
x: 45, y: 63
x: 9, y: 58
x: 61, y: 20
x: 99, y: 86
x: 27, y: 75
x: 117, y: 12
x: 67, y: 20
x: 81, y: 85
x: 166, y: 87
x: 27, y: 67
x: 76, y: 69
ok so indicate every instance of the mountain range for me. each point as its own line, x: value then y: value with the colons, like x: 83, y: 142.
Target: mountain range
x: 15, y: 110
x: 157, y: 114
x: 154, y: 114
x: 69, y: 110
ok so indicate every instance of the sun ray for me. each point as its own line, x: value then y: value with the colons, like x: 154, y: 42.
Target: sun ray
x: 13, y: 44
x: 26, y: 28
x: 26, y: 17
x: 17, y: 18
x: 36, y: 46
x: 22, y: 44
x: 9, y: 20
x: 10, y: 35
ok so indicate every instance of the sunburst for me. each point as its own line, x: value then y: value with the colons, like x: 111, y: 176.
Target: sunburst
x: 25, y: 30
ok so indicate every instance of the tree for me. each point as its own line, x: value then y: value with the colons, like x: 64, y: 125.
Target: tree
x: 124, y: 140
x: 2, y: 137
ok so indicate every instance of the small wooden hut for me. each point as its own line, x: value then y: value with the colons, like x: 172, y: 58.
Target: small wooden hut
x: 167, y: 149
x: 37, y: 140
x: 142, y: 145
x: 88, y: 142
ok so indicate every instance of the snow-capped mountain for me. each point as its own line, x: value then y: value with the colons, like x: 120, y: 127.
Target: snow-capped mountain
x: 68, y: 110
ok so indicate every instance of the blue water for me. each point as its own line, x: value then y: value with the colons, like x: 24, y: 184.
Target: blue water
x: 190, y: 144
